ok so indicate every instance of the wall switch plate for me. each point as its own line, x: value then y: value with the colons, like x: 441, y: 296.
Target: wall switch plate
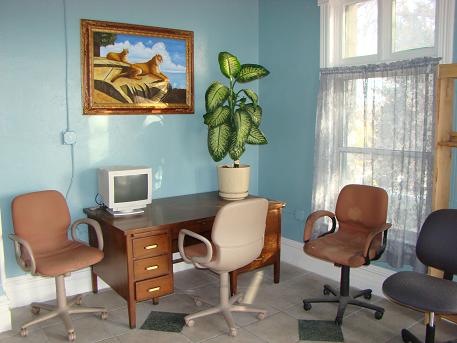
x: 69, y: 137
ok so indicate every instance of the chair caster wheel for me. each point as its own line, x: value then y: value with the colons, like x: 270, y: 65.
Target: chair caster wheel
x: 104, y: 315
x: 261, y: 316
x: 79, y: 300
x: 378, y: 315
x: 35, y: 310
x: 24, y: 332
x: 233, y: 332
x: 190, y: 323
x: 306, y: 306
x: 404, y: 336
x: 71, y: 336
x: 339, y: 321
x: 367, y: 296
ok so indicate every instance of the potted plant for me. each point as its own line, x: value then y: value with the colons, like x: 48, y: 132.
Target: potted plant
x: 233, y: 119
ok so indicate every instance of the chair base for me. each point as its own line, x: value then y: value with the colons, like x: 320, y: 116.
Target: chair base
x: 408, y: 337
x: 226, y: 307
x: 343, y: 298
x: 63, y: 309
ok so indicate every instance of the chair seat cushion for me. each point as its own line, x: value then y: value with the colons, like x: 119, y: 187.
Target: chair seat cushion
x: 73, y: 256
x: 422, y: 292
x: 342, y: 248
x: 199, y: 250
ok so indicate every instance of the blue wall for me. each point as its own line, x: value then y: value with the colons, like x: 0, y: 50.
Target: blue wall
x: 284, y: 37
x: 32, y: 94
x: 289, y: 46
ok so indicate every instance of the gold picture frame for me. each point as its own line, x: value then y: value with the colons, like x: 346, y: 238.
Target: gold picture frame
x: 136, y: 69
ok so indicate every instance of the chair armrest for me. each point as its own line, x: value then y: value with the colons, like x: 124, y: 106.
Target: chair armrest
x: 309, y: 225
x: 369, y: 241
x: 90, y: 223
x: 196, y: 259
x: 18, y: 243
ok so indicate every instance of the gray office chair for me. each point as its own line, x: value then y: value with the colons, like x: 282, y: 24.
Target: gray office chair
x: 237, y: 239
x: 436, y: 247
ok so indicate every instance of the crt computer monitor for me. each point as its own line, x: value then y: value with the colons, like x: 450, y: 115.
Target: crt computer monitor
x: 125, y: 190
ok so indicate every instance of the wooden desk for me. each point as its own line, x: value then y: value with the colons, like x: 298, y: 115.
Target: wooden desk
x: 138, y: 249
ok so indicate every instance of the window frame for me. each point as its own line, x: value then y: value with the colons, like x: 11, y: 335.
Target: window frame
x: 332, y: 34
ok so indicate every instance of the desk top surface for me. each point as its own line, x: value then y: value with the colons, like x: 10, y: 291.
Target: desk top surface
x: 172, y: 210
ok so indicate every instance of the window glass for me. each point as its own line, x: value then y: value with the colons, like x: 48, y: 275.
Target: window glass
x: 360, y: 29
x: 413, y: 24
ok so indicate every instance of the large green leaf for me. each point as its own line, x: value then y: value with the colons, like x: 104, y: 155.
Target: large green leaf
x: 251, y: 95
x: 256, y: 136
x: 236, y: 151
x: 229, y: 64
x: 250, y: 72
x: 215, y: 96
x: 219, y: 141
x: 243, y: 125
x: 218, y: 117
x: 255, y: 112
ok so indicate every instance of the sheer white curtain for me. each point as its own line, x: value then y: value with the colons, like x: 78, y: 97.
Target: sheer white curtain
x: 375, y: 126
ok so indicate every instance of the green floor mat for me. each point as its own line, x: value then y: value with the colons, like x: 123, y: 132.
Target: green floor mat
x: 319, y: 330
x: 164, y: 321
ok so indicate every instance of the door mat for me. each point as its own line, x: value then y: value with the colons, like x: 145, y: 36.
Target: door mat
x: 319, y: 330
x: 164, y: 321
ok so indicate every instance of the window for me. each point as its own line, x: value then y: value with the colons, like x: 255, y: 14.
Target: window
x: 375, y: 117
x: 360, y: 29
x: 370, y: 31
x: 413, y: 24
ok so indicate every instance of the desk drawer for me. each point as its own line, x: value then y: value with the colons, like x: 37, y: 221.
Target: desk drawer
x: 151, y: 267
x: 153, y: 288
x: 150, y: 246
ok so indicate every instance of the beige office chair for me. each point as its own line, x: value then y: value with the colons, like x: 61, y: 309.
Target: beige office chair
x: 41, y: 221
x: 237, y: 239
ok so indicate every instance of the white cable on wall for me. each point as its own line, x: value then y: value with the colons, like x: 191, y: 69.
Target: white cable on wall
x: 67, y: 110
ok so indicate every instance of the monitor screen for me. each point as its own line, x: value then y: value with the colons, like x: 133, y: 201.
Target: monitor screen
x: 130, y: 188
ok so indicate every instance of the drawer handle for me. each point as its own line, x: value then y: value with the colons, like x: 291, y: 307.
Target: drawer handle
x: 149, y: 247
x: 155, y: 289
x: 152, y: 267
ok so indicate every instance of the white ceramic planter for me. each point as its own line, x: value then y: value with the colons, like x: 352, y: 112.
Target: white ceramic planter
x: 233, y: 182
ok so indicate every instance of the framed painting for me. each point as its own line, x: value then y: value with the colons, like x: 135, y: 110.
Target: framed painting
x: 135, y: 69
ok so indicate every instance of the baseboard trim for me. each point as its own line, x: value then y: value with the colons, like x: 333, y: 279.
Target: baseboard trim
x: 25, y: 289
x: 364, y: 277
x: 5, y: 314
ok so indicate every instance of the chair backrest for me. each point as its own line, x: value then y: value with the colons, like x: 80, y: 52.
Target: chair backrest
x: 42, y: 219
x: 437, y: 243
x: 238, y: 232
x: 361, y: 208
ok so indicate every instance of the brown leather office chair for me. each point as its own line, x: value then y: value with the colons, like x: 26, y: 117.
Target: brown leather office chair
x: 41, y: 221
x: 237, y: 239
x: 361, y: 213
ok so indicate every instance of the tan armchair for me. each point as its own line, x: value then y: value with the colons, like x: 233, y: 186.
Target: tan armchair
x: 236, y: 240
x: 361, y: 213
x: 42, y: 247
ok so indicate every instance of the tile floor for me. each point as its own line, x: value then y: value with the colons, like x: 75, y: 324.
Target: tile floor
x: 283, y: 302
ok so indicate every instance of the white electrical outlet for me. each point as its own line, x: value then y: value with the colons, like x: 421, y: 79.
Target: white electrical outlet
x: 69, y: 137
